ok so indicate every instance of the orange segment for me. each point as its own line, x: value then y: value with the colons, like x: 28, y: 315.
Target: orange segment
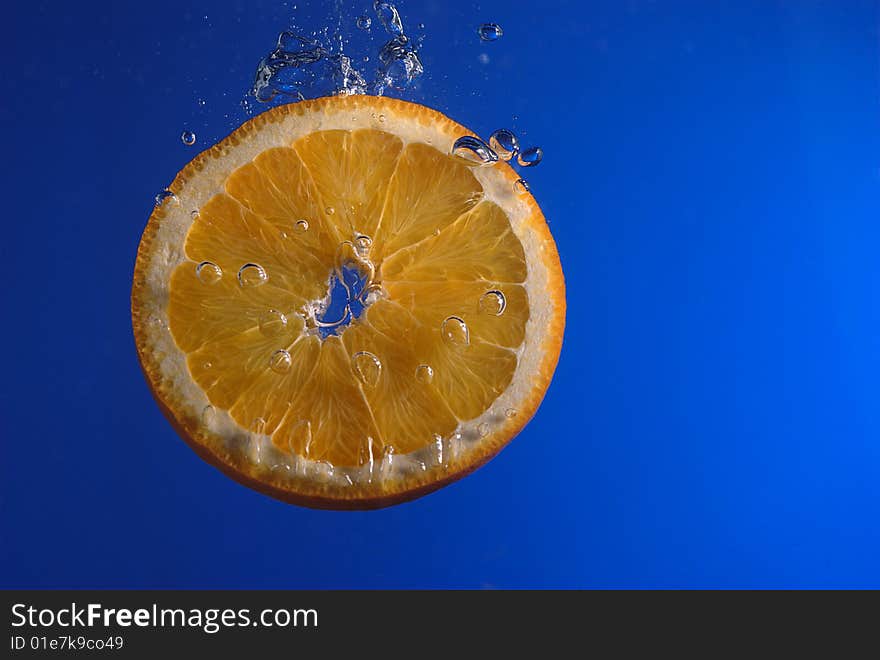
x: 226, y: 368
x: 271, y: 396
x: 201, y: 312
x: 476, y: 246
x: 409, y: 410
x: 342, y: 427
x: 446, y: 332
x: 493, y: 313
x: 229, y: 235
x: 351, y: 170
x: 428, y: 191
x: 277, y: 187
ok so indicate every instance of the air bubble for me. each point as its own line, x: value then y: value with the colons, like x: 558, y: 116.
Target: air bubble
x: 188, y: 138
x: 381, y: 119
x: 252, y: 275
x: 474, y: 150
x: 490, y: 32
x: 399, y: 64
x: 424, y: 374
x: 329, y: 210
x: 455, y: 331
x: 387, y: 461
x: 372, y: 293
x: 194, y: 214
x: 272, y: 322
x: 510, y: 413
x: 367, y: 367
x: 301, y: 226
x: 166, y: 196
x: 295, y: 63
x: 483, y: 430
x: 208, y: 414
x: 363, y: 243
x: 208, y: 272
x: 493, y: 303
x: 439, y: 454
x: 504, y: 143
x: 521, y: 186
x: 363, y: 22
x: 530, y: 157
x: 280, y: 362
x: 389, y: 17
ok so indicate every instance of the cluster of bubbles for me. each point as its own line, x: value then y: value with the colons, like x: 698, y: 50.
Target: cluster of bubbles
x: 503, y: 145
x: 297, y: 63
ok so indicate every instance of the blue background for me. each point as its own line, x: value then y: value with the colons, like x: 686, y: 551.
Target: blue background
x: 712, y: 178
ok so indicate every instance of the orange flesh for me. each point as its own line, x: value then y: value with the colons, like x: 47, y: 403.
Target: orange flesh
x: 437, y: 249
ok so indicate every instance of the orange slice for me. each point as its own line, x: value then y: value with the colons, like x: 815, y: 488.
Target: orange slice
x: 336, y: 311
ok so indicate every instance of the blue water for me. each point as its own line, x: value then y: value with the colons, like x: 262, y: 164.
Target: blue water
x: 711, y: 174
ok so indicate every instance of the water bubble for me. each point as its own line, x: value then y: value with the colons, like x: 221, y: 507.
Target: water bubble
x: 483, y: 430
x: 208, y: 272
x: 301, y: 226
x: 208, y: 414
x: 439, y: 454
x: 346, y: 79
x: 424, y: 374
x: 166, y: 196
x: 381, y: 119
x: 521, y: 186
x: 188, y: 138
x: 399, y: 64
x: 530, y: 157
x: 280, y: 362
x: 367, y: 367
x: 372, y: 293
x: 329, y: 210
x: 363, y: 244
x: 490, y: 32
x: 387, y: 461
x: 493, y: 303
x: 293, y: 63
x: 272, y: 322
x: 389, y: 17
x: 510, y: 413
x: 455, y: 331
x: 195, y: 214
x: 252, y: 275
x: 474, y: 150
x: 363, y: 22
x: 504, y: 143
